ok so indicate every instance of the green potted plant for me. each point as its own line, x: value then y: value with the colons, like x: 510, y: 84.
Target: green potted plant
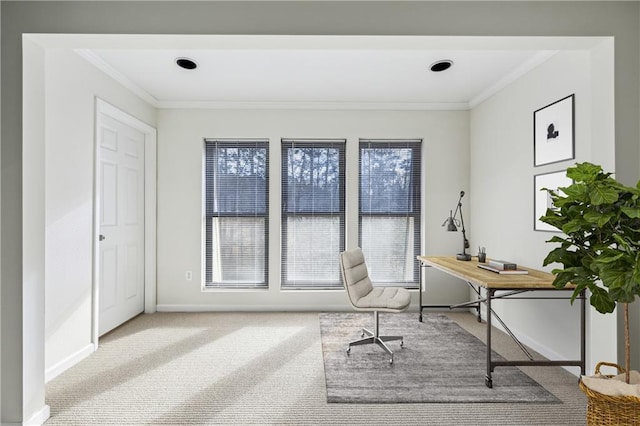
x: 600, y: 248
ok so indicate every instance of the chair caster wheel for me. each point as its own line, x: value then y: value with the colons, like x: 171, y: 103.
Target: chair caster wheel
x: 391, y: 361
x: 488, y: 382
x: 348, y: 350
x: 402, y: 343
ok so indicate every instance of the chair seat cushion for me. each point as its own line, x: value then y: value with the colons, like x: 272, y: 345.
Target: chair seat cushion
x: 385, y: 298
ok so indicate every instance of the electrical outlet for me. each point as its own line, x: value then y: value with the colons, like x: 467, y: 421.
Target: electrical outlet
x: 189, y: 275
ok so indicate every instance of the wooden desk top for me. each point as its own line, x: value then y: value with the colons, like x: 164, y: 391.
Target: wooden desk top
x: 469, y: 271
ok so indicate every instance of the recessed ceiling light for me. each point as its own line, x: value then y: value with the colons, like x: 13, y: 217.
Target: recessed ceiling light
x: 442, y: 65
x: 186, y: 63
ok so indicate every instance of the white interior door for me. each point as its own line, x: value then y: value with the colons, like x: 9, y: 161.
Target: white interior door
x: 121, y: 223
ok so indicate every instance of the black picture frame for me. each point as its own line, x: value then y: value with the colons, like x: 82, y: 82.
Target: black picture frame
x: 554, y: 132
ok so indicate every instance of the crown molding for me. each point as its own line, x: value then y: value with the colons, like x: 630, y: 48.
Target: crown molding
x: 521, y: 70
x: 311, y: 105
x: 99, y: 63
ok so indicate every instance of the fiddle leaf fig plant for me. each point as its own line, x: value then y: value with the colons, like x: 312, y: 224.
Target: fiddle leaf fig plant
x: 600, y: 248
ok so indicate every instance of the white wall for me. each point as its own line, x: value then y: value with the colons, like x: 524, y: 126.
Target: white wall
x: 180, y: 143
x: 33, y: 239
x: 502, y: 174
x: 70, y: 149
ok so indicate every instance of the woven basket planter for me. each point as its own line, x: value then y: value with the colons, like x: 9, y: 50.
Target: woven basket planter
x: 611, y: 410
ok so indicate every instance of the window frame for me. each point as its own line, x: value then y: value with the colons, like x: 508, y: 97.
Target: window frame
x: 286, y: 144
x: 416, y: 201
x: 209, y: 213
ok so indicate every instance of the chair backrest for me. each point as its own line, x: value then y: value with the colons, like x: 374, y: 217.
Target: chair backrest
x: 355, y: 275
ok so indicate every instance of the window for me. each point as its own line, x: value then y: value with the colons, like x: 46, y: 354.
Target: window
x: 390, y: 210
x: 312, y: 213
x: 236, y: 213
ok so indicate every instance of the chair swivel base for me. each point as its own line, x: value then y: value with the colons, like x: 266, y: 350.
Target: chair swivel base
x: 379, y: 340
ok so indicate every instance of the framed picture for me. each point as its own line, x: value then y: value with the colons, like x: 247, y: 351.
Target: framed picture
x: 553, y: 132
x: 542, y: 200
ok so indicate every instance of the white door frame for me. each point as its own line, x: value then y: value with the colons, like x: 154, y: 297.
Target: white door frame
x: 150, y: 153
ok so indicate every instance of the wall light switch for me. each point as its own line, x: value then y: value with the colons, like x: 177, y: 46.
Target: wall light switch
x: 189, y: 275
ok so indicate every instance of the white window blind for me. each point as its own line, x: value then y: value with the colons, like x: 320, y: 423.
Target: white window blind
x: 389, y: 210
x: 312, y: 213
x: 236, y: 213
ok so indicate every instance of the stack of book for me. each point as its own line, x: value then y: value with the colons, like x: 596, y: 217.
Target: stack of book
x: 502, y: 267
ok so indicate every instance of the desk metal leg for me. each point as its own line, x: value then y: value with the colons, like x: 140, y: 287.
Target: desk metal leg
x: 487, y: 380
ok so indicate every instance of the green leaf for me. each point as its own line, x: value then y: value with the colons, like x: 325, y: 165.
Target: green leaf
x: 601, y: 300
x: 572, y: 226
x: 575, y: 191
x: 556, y: 239
x: 576, y: 292
x: 554, y: 256
x: 609, y: 256
x: 552, y: 218
x: 632, y: 212
x: 636, y: 269
x: 583, y: 172
x: 622, y: 295
x: 623, y: 242
x: 568, y: 259
x: 597, y: 218
x: 562, y: 278
x: 603, y: 195
x: 613, y: 278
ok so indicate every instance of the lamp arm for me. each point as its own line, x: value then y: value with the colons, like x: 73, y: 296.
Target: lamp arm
x: 465, y: 242
x: 459, y: 206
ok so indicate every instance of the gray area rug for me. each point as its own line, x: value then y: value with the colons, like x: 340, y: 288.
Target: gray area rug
x: 440, y: 362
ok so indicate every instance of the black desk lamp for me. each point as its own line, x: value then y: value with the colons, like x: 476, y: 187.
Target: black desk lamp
x: 452, y: 225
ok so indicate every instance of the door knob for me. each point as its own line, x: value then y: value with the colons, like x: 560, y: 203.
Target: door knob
x: 102, y: 238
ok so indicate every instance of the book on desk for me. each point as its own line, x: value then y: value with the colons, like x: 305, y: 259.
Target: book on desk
x: 503, y: 271
x: 502, y: 264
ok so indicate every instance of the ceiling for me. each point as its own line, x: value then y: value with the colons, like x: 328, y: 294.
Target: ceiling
x: 376, y: 72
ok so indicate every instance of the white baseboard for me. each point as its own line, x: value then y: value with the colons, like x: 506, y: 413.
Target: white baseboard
x: 68, y: 362
x: 253, y: 308
x: 38, y: 418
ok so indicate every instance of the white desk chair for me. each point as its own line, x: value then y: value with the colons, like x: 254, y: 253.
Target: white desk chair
x: 363, y: 296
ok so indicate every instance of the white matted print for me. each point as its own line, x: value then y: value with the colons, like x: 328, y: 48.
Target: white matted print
x: 542, y: 199
x: 553, y: 132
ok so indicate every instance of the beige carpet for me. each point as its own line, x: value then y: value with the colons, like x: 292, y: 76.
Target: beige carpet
x: 258, y: 368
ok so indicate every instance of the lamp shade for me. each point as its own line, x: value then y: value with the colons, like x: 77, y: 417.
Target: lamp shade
x: 451, y: 224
